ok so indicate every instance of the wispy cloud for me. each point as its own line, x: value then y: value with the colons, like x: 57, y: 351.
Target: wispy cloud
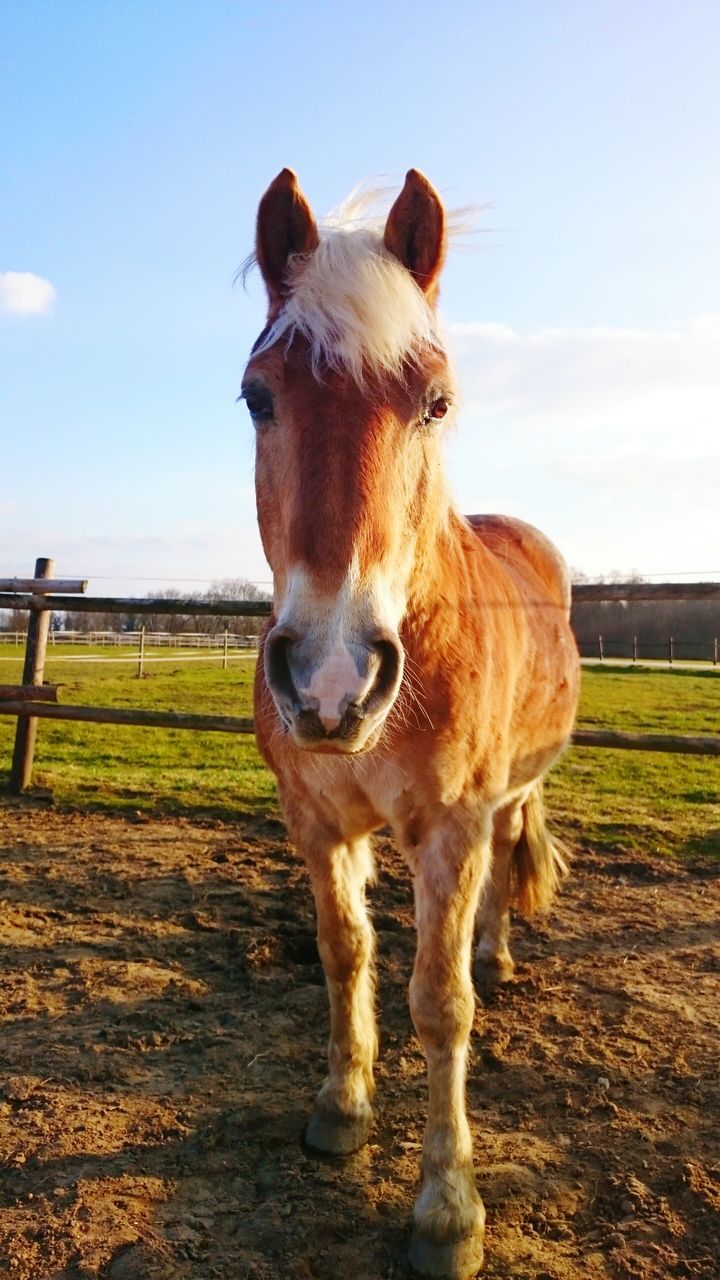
x: 25, y: 294
x: 659, y: 384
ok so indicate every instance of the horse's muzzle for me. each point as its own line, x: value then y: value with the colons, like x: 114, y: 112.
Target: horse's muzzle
x: 333, y: 700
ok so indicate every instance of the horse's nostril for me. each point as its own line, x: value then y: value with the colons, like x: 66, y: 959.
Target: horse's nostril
x: 386, y: 681
x: 277, y: 663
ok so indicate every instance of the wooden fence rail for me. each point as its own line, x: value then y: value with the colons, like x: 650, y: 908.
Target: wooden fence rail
x: 582, y: 592
x: 114, y: 604
x: 682, y: 743
x: 672, y: 742
x: 41, y: 586
x: 131, y: 716
x: 42, y: 594
x: 10, y: 693
x: 632, y: 591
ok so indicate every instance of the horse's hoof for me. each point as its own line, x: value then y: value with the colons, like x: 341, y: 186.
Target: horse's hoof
x: 491, y: 974
x: 337, y: 1135
x: 458, y: 1260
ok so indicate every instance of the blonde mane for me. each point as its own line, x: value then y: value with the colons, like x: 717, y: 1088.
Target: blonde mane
x: 353, y: 301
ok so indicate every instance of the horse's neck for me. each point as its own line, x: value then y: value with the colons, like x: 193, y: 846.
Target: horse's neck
x: 449, y: 563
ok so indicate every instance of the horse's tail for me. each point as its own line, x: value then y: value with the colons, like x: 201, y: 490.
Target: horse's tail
x: 539, y: 862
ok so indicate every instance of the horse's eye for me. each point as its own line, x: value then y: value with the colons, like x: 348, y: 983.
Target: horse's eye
x: 438, y: 409
x: 259, y: 403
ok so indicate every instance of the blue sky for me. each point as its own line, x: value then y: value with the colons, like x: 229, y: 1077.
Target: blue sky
x: 135, y: 141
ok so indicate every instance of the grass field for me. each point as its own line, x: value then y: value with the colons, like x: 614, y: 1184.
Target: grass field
x: 616, y: 800
x: 169, y: 770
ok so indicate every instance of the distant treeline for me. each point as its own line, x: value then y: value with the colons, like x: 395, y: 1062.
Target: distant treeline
x: 175, y: 624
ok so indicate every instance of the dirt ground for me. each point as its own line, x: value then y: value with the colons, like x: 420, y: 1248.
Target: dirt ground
x: 164, y: 1023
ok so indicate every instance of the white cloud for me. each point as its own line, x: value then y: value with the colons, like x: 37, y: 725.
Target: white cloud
x: 23, y: 293
x: 659, y: 382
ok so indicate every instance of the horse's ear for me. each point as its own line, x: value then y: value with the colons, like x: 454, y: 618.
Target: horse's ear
x: 285, y: 226
x: 415, y: 230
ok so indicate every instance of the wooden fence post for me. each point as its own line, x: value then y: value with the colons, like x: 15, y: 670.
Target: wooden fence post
x: 33, y: 670
x: 715, y: 651
x: 141, y: 652
x: 671, y: 650
x: 635, y: 649
x: 600, y: 648
x: 225, y: 650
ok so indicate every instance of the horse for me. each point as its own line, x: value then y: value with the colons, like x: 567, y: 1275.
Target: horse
x: 418, y: 670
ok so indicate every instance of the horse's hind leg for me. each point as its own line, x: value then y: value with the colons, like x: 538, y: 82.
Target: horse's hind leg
x: 493, y: 961
x: 527, y: 867
x: 342, y: 1117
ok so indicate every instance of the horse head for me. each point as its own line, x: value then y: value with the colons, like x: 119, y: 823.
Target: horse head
x: 349, y: 389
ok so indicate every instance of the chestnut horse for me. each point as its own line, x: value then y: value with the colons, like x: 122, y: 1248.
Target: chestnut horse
x: 418, y: 670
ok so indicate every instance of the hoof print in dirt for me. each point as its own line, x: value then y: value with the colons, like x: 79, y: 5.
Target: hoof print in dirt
x: 133, y: 1262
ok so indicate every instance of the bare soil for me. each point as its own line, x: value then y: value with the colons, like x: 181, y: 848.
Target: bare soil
x: 164, y: 1027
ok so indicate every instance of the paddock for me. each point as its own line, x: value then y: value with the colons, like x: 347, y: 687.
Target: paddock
x: 164, y: 1019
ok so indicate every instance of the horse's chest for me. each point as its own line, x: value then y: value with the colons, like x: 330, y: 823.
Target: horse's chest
x: 359, y: 795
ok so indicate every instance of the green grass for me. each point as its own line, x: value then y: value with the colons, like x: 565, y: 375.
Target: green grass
x: 645, y: 801
x: 615, y: 800
x: 166, y: 770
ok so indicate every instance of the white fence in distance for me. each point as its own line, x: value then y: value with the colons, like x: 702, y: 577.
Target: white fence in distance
x: 131, y: 639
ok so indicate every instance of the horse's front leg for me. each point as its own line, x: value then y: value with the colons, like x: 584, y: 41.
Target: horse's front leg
x: 449, y: 1215
x: 342, y: 1117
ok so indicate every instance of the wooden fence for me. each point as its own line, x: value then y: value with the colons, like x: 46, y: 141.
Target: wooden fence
x: 32, y: 700
x: 669, y: 651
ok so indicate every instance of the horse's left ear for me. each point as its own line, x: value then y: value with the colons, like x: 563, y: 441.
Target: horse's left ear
x: 285, y: 226
x: 415, y: 231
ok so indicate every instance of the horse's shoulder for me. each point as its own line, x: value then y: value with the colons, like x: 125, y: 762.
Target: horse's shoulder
x: 521, y: 545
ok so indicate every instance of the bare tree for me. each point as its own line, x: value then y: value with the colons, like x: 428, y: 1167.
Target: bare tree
x: 230, y: 589
x: 175, y: 623
x: 10, y: 620
x: 93, y: 621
